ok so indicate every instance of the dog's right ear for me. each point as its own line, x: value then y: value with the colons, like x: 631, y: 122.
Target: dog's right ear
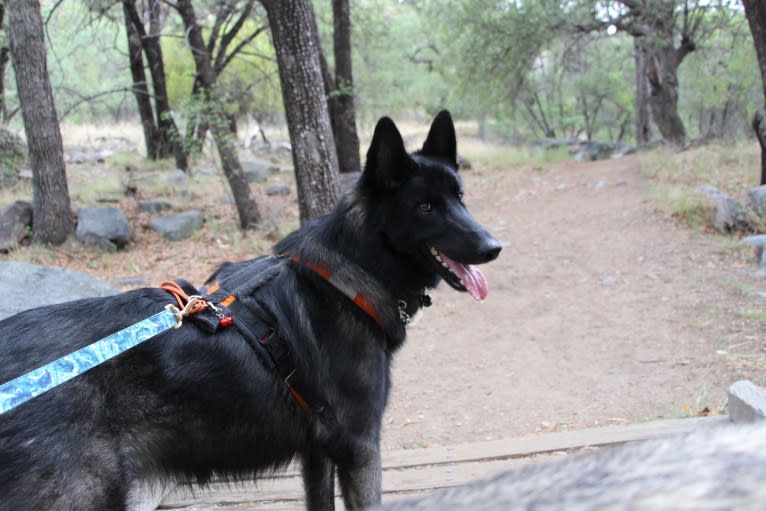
x: 387, y: 161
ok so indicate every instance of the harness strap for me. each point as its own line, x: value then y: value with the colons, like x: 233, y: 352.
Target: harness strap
x: 341, y: 285
x: 256, y: 325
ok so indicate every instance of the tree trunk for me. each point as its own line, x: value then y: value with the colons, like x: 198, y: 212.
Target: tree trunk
x: 643, y: 115
x: 294, y: 32
x: 755, y: 10
x: 167, y: 135
x: 140, y: 85
x: 249, y: 216
x: 52, y: 212
x: 344, y: 118
x: 5, y: 56
x: 759, y: 126
x: 662, y: 72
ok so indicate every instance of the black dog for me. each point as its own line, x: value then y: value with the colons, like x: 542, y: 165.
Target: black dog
x: 303, y: 370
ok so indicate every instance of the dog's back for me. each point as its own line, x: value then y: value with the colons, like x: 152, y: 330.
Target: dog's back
x: 63, y: 438
x: 148, y: 414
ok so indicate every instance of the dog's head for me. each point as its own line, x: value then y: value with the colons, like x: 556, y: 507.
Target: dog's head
x: 418, y: 199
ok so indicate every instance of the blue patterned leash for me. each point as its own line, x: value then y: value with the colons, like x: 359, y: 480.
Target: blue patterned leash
x: 43, y: 379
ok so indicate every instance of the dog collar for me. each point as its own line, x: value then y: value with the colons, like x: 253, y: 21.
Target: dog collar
x: 359, y: 299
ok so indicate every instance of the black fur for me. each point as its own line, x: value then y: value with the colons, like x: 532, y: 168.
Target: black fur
x: 189, y: 405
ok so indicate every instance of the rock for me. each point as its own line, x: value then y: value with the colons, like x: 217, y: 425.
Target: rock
x: 76, y: 158
x: 464, y: 163
x: 710, y: 192
x: 101, y: 156
x: 555, y: 143
x: 281, y: 190
x: 757, y: 198
x: 177, y: 177
x: 758, y: 242
x: 180, y: 226
x: 592, y: 150
x: 15, y: 224
x: 747, y: 402
x: 103, y: 228
x: 154, y: 206
x: 26, y: 174
x: 623, y: 150
x: 26, y: 286
x: 131, y: 282
x: 258, y: 170
x: 728, y: 214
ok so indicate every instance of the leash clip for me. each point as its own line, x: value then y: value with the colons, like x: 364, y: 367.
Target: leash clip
x: 403, y: 316
x: 190, y: 308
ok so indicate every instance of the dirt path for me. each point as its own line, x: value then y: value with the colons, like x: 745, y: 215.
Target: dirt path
x: 600, y: 311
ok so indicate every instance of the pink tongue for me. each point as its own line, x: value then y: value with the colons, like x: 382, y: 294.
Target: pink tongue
x: 473, y: 279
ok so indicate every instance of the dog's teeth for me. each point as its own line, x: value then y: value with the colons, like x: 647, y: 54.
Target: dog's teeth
x: 444, y: 264
x: 434, y: 252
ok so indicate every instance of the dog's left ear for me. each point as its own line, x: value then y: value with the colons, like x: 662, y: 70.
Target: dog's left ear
x: 441, y: 141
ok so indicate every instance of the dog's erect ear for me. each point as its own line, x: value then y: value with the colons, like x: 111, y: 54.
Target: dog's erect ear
x: 441, y: 141
x: 387, y: 161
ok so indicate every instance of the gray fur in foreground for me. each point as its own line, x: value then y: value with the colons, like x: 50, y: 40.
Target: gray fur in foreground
x: 721, y: 468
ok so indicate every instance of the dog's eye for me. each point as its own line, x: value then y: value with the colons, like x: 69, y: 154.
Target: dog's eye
x: 460, y: 196
x: 424, y: 207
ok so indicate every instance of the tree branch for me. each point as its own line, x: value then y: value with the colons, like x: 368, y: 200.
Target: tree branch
x: 85, y: 99
x: 229, y: 36
x: 237, y: 49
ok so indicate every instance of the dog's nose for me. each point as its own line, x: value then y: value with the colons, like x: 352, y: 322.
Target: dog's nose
x: 491, y: 250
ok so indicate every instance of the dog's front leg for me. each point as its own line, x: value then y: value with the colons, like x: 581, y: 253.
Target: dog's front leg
x: 318, y: 480
x: 361, y: 480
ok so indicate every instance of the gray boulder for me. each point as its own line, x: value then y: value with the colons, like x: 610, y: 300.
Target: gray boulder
x: 757, y: 198
x: 177, y: 177
x: 180, y: 226
x: 15, y: 224
x: 26, y: 286
x: 257, y: 171
x: 758, y: 243
x: 103, y: 228
x: 281, y: 190
x: 728, y: 215
x: 709, y: 192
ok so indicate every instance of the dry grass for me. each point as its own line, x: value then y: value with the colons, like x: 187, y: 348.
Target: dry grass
x: 676, y: 176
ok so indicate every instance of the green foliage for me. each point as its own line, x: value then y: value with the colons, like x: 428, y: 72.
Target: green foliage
x: 394, y: 57
x: 508, y: 62
x: 250, y: 83
x: 720, y: 82
x: 86, y: 59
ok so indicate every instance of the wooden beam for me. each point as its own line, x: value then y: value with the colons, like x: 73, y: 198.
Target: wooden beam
x: 415, y: 471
